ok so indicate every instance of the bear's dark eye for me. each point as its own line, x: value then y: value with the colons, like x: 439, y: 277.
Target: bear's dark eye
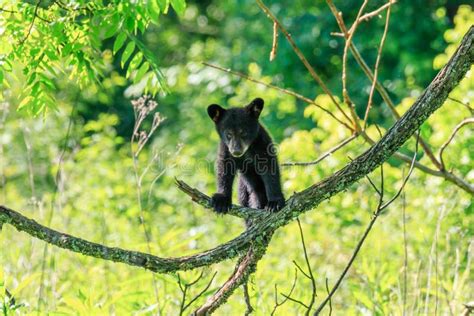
x: 228, y: 136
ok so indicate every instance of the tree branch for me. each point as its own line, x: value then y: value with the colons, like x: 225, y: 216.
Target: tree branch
x: 323, y: 156
x: 455, y: 131
x: 130, y: 257
x: 376, y: 67
x: 370, y: 15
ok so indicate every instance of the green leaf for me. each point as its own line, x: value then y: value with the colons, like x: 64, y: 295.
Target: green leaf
x: 130, y: 24
x: 134, y: 63
x: 111, y: 25
x: 179, y: 6
x: 119, y: 41
x: 128, y: 52
x: 24, y: 102
x: 142, y: 71
x: 153, y: 11
x: 163, y: 5
x: 151, y: 58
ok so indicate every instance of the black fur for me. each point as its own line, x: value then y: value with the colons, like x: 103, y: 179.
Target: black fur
x: 245, y: 148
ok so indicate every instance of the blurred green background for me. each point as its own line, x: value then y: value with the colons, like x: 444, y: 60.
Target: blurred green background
x: 72, y: 168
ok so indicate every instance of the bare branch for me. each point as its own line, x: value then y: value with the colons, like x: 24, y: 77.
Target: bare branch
x: 295, y: 300
x: 450, y: 139
x: 376, y: 68
x: 373, y: 185
x: 249, y: 309
x: 323, y: 156
x: 330, y: 301
x: 134, y: 258
x: 184, y: 288
x: 8, y: 11
x: 384, y: 206
x: 466, y: 104
x: 310, y: 271
x: 348, y: 38
x: 278, y: 304
x: 376, y: 12
x: 275, y: 42
x: 30, y: 28
x: 301, y: 269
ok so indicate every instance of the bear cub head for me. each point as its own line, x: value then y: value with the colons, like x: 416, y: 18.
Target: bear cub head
x: 237, y: 127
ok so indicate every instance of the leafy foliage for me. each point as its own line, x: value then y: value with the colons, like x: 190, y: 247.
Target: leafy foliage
x: 51, y: 39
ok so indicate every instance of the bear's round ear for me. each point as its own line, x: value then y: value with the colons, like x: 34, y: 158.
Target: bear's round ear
x: 255, y: 107
x: 215, y: 112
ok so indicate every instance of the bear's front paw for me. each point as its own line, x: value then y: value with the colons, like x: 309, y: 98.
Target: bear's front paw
x: 221, y: 203
x: 275, y: 205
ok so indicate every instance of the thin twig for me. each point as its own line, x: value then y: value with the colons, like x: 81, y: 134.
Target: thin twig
x: 450, y: 139
x: 330, y: 301
x: 275, y: 42
x: 278, y: 304
x: 295, y: 300
x: 376, y: 68
x: 35, y: 14
x: 412, y: 165
x: 323, y: 156
x: 373, y: 185
x: 248, y: 304
x: 301, y: 56
x: 466, y: 104
x: 283, y: 90
x: 301, y: 269
x: 310, y: 271
x: 405, y: 254
x: 184, y: 288
x: 376, y: 12
x: 345, y: 93
x: 8, y: 11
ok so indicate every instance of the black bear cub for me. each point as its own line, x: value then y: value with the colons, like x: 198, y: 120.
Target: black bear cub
x: 247, y: 148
